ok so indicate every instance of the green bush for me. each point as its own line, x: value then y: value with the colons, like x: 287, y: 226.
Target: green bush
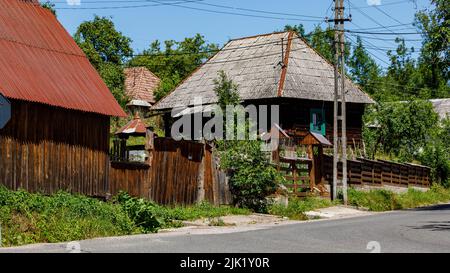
x: 140, y: 211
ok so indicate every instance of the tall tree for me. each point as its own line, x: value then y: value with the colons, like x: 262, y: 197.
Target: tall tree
x: 434, y: 59
x: 102, y: 43
x: 106, y: 49
x: 363, y: 69
x: 176, y: 61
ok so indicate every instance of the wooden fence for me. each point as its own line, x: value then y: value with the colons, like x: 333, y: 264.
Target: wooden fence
x: 379, y: 173
x: 181, y: 172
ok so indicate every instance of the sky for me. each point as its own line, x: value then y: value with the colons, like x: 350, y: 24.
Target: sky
x: 220, y: 20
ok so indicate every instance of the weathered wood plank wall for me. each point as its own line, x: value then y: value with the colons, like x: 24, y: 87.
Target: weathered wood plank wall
x: 174, y: 176
x: 46, y: 149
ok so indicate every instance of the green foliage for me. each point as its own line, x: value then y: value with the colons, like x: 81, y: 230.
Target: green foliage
x: 403, y: 128
x: 140, y: 211
x: 252, y: 177
x: 226, y: 91
x: 297, y: 207
x: 435, y: 53
x: 30, y: 218
x: 175, y: 62
x: 409, y: 131
x: 102, y: 43
x: 363, y: 69
x: 436, y: 154
x: 384, y: 200
x: 106, y: 49
x: 114, y: 77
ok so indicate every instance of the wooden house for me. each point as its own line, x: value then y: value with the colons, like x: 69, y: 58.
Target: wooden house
x: 275, y: 69
x: 58, y: 135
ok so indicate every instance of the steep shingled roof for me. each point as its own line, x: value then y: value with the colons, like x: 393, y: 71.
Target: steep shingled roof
x: 40, y: 62
x: 253, y: 63
x: 140, y: 83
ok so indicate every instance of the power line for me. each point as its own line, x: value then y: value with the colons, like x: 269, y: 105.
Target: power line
x: 179, y: 4
x: 381, y: 5
x: 126, y: 7
x: 388, y: 15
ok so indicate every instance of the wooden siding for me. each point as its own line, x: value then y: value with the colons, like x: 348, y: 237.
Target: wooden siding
x: 46, y: 149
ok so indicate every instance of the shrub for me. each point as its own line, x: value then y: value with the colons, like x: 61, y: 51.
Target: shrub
x: 140, y: 211
x: 30, y: 218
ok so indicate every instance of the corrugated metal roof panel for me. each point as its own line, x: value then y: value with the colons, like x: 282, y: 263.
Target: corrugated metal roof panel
x: 40, y: 62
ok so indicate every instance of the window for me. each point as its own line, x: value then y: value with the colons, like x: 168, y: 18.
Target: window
x: 317, y: 121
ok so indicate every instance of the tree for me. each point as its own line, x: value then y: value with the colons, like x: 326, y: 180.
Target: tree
x: 402, y: 129
x: 102, y: 43
x: 106, y: 49
x: 434, y: 59
x: 252, y: 177
x: 363, y: 69
x: 299, y: 29
x: 175, y: 62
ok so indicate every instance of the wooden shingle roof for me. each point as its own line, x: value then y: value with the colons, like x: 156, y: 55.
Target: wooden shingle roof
x: 255, y: 64
x: 140, y: 83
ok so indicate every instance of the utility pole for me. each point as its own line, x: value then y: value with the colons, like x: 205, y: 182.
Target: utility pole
x: 339, y: 98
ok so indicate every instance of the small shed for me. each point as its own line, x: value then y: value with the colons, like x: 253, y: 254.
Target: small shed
x: 58, y: 135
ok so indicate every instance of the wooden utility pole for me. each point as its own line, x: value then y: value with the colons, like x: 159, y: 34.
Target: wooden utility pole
x: 339, y: 98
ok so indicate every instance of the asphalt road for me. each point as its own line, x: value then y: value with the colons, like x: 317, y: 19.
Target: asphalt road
x: 420, y: 230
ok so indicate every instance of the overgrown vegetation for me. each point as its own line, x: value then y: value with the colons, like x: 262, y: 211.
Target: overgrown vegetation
x: 30, y: 218
x: 384, y: 200
x: 252, y: 177
x: 409, y: 131
x: 27, y: 218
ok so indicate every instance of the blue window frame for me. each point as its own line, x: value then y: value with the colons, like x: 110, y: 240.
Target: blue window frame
x: 317, y: 121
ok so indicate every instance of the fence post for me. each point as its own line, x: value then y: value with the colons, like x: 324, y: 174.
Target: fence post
x: 201, y: 178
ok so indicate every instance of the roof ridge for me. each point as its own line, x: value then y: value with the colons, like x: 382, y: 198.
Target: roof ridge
x: 259, y: 35
x: 285, y: 63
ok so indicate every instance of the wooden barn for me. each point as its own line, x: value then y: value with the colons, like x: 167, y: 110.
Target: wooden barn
x: 275, y: 69
x: 58, y: 136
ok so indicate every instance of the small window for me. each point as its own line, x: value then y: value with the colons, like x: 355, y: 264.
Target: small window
x: 317, y: 121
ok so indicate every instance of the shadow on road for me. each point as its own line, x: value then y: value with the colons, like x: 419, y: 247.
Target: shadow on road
x: 434, y: 226
x: 437, y: 207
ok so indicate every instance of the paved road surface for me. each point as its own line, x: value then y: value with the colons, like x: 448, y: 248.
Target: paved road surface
x: 420, y: 230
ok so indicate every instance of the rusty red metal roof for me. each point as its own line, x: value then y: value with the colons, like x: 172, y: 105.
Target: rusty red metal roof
x: 40, y: 62
x: 135, y: 127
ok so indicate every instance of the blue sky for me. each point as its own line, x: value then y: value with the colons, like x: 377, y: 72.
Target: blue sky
x: 165, y: 19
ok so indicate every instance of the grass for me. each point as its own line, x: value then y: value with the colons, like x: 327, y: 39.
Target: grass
x: 297, y: 207
x: 31, y: 218
x: 374, y: 200
x: 384, y: 200
x: 27, y: 218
